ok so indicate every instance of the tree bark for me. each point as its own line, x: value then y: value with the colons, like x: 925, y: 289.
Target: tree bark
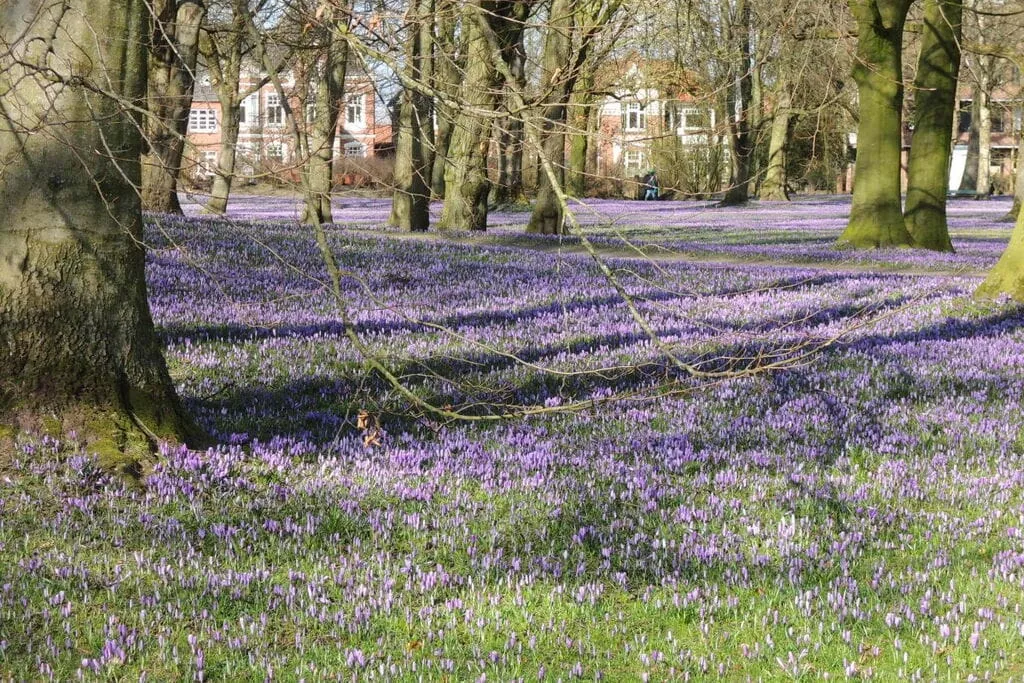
x: 1018, y: 187
x: 558, y: 81
x: 174, y: 49
x: 582, y: 116
x: 775, y: 180
x: 1007, y: 276
x: 738, y: 96
x: 410, y: 205
x: 329, y: 93
x: 224, y: 48
x: 466, y: 180
x: 446, y: 74
x: 876, y: 216
x: 935, y: 103
x: 76, y: 336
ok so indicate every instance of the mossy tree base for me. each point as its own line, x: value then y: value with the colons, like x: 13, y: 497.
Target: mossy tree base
x: 1007, y: 276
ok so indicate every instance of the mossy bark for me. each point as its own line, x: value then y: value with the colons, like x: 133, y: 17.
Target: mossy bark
x: 558, y: 82
x: 465, y: 178
x: 410, y: 204
x: 935, y: 103
x: 224, y: 173
x: 876, y: 215
x: 328, y: 91
x: 775, y: 181
x: 76, y: 336
x: 1007, y: 276
x: 173, y: 51
x: 582, y: 120
x: 467, y: 183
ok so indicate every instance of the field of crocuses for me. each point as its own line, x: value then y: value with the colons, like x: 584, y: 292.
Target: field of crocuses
x: 856, y: 513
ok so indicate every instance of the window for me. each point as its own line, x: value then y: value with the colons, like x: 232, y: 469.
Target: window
x: 632, y: 159
x: 695, y: 119
x: 354, y: 110
x: 209, y: 162
x: 310, y: 113
x: 202, y: 120
x: 998, y: 120
x: 275, y: 151
x: 633, y: 116
x: 275, y: 113
x: 964, y: 124
x: 355, y: 149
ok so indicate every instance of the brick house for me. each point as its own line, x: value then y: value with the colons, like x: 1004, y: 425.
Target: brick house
x: 648, y: 101
x: 265, y: 142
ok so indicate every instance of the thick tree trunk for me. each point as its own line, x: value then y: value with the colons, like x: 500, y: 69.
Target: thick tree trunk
x: 174, y: 49
x: 1018, y: 188
x: 876, y: 216
x: 447, y: 74
x: 410, y: 205
x: 559, y: 80
x: 466, y: 180
x: 739, y: 96
x: 935, y: 104
x: 76, y: 337
x: 775, y: 180
x: 1007, y: 276
x: 581, y: 119
x: 224, y: 174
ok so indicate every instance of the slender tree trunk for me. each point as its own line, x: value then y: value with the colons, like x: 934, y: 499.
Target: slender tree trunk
x: 446, y: 74
x: 935, y: 103
x: 984, y: 186
x: 969, y: 180
x: 876, y: 216
x: 223, y: 53
x: 775, y: 180
x: 410, y: 206
x: 76, y: 337
x: 174, y: 49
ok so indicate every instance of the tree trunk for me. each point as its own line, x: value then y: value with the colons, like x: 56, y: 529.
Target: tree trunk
x: 224, y: 174
x: 775, y: 180
x: 935, y: 104
x: 969, y: 180
x: 581, y: 118
x: 410, y: 205
x: 559, y: 80
x: 172, y: 61
x: 447, y: 76
x: 984, y: 187
x: 739, y: 95
x: 1018, y: 187
x: 223, y: 53
x: 1007, y: 276
x: 76, y: 337
x: 466, y: 173
x: 876, y: 216
x: 329, y: 92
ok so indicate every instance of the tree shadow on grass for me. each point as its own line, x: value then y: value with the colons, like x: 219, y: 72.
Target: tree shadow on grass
x: 485, y: 383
